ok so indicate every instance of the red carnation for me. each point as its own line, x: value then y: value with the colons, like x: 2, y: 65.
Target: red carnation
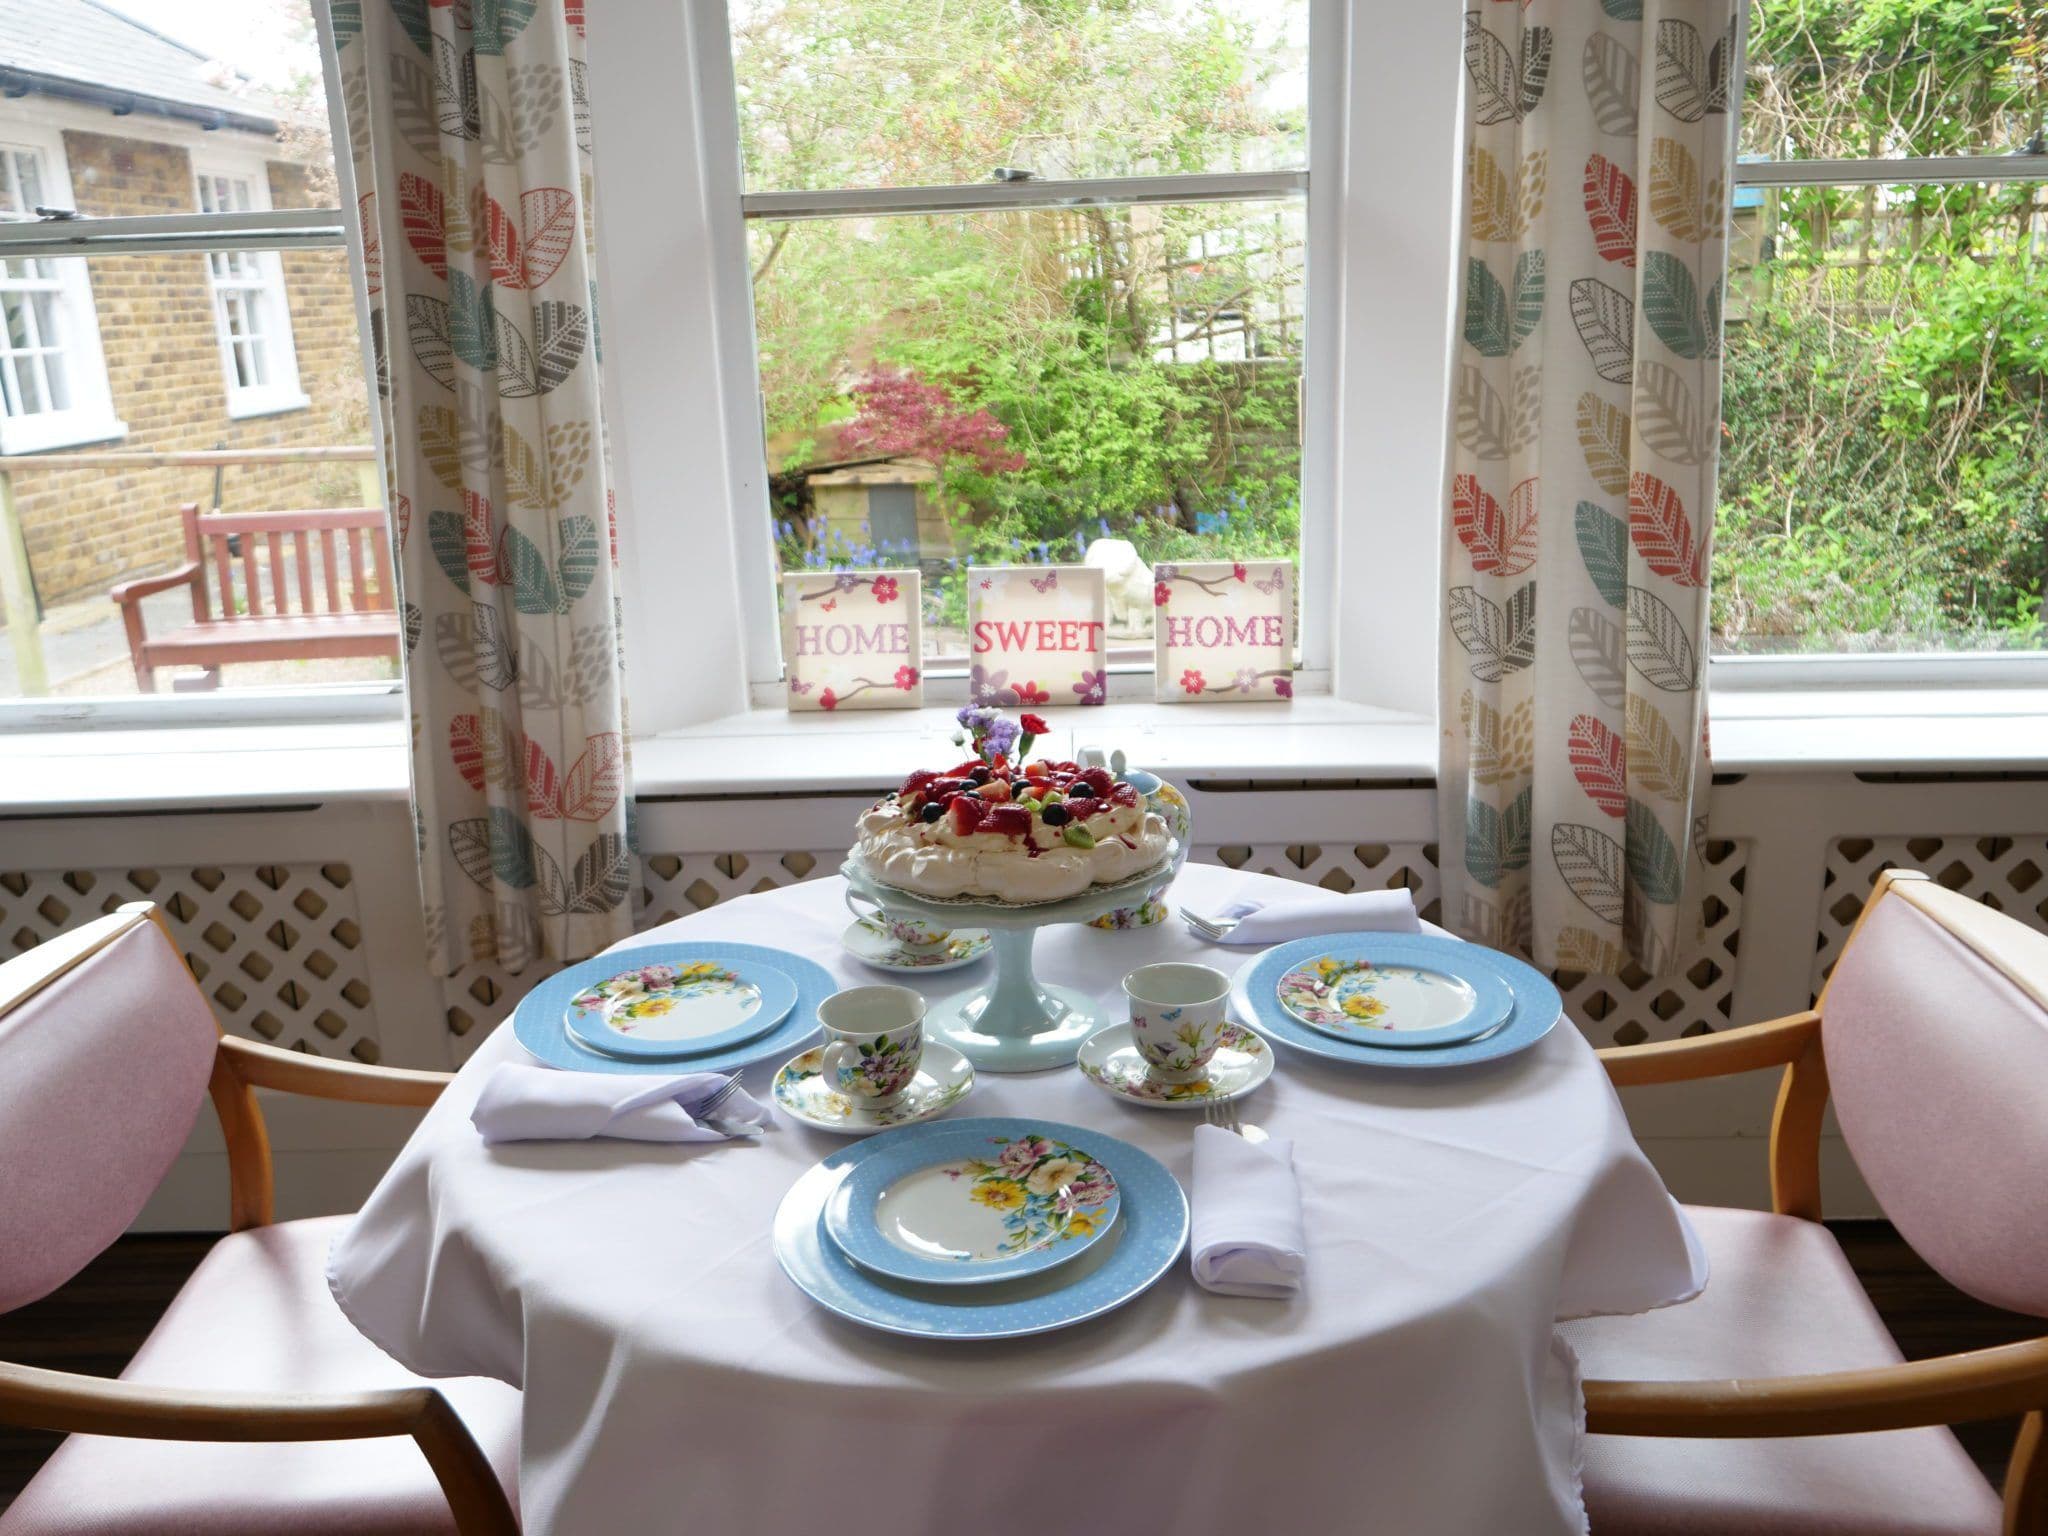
x: 1035, y: 724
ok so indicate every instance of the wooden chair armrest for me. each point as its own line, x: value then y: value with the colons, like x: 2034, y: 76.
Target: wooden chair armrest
x: 1774, y: 1043
x: 265, y: 1066
x: 32, y: 1398
x: 1951, y: 1389
x: 145, y: 586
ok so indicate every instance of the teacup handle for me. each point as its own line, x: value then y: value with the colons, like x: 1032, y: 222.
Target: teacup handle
x: 835, y: 1054
x: 852, y: 896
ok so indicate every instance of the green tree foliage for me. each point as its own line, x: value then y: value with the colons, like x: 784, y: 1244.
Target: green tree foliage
x: 1885, y: 479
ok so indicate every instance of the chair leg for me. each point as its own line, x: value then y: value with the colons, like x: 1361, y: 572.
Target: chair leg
x: 2026, y: 1480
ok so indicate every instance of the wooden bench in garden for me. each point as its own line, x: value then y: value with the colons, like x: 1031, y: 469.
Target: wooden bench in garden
x: 334, y: 616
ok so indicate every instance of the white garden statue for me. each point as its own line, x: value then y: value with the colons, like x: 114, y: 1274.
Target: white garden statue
x: 1129, y: 581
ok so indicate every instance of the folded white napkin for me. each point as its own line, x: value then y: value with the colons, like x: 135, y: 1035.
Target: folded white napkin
x: 528, y: 1103
x: 1247, y: 1238
x: 1299, y: 917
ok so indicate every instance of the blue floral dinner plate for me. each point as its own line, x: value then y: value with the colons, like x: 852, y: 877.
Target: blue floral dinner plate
x: 969, y: 1207
x: 539, y: 1023
x: 1537, y: 1005
x: 1150, y: 1234
x: 673, y: 1009
x: 1399, y: 990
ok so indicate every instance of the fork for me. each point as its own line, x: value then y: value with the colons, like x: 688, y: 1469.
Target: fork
x: 708, y: 1117
x: 1216, y: 928
x: 1222, y: 1113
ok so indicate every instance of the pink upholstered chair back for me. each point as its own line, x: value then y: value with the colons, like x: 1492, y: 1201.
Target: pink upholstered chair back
x: 1935, y: 1029
x: 102, y: 1072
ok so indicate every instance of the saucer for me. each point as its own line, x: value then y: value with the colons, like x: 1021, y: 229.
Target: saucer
x: 1110, y: 1060
x: 871, y: 946
x: 943, y: 1079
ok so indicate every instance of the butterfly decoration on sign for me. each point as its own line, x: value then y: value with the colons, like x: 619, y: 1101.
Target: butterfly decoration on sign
x: 1046, y: 582
x: 1272, y: 584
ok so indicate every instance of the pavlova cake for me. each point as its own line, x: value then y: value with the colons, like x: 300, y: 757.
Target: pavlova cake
x: 1003, y: 827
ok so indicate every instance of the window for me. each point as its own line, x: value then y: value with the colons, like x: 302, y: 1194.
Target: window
x: 1038, y: 283
x: 249, y: 306
x: 52, y: 377
x: 181, y: 328
x: 1886, y: 359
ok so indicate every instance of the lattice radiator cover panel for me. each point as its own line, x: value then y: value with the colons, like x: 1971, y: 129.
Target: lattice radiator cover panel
x: 1624, y: 1010
x: 278, y: 949
x: 2007, y: 874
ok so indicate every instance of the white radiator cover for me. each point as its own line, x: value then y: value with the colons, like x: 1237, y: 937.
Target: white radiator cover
x: 303, y: 928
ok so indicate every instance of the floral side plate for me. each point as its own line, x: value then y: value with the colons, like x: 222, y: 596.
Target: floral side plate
x: 866, y: 941
x: 668, y: 1009
x: 1386, y: 994
x: 943, y: 1079
x: 967, y: 1207
x: 1111, y: 1061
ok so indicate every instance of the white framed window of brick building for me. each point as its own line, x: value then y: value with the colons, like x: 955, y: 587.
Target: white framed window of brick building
x: 53, y: 375
x: 251, y: 313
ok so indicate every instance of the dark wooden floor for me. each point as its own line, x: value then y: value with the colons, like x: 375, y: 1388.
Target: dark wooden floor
x: 95, y: 1323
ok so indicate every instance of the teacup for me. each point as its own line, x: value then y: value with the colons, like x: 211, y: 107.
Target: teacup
x: 874, y: 1041
x: 1177, y: 1016
x: 904, y: 930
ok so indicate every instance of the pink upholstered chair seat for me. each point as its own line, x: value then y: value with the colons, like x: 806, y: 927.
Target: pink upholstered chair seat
x: 257, y: 1317
x: 1782, y: 1301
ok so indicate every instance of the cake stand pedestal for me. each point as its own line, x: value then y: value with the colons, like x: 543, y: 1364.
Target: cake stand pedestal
x: 1014, y: 1023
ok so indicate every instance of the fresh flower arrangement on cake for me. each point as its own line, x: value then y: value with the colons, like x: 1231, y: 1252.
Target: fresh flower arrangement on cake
x: 1004, y: 826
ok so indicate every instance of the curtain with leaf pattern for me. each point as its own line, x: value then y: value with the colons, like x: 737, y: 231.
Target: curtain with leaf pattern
x: 1587, y: 413
x: 469, y: 133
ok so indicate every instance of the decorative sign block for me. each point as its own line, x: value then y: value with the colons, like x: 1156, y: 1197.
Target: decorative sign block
x: 1223, y: 629
x: 1037, y: 634
x: 853, y: 639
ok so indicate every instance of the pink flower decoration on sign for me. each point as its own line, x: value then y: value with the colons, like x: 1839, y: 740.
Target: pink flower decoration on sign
x: 828, y: 700
x: 1161, y: 593
x: 1284, y: 687
x: 1031, y: 693
x: 885, y: 588
x: 1191, y: 681
x: 1237, y: 569
x: 906, y: 678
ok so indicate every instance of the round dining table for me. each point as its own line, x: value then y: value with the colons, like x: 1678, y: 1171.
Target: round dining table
x: 676, y: 1381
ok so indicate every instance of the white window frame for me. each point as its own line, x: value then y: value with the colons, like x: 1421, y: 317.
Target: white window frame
x: 730, y: 206
x: 266, y: 296
x: 90, y: 417
x: 1821, y: 671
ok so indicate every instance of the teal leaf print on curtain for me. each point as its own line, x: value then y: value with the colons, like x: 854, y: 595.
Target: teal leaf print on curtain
x: 472, y: 165
x: 1585, y: 421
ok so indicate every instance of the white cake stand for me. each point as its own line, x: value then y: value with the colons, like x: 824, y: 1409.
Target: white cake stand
x: 1015, y: 1023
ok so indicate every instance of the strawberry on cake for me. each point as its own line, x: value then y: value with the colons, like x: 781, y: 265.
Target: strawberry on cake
x: 1004, y: 829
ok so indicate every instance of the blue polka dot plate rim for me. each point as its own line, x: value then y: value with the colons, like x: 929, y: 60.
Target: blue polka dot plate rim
x: 967, y: 1208
x: 1149, y: 1236
x: 1537, y: 1007
x: 540, y: 1024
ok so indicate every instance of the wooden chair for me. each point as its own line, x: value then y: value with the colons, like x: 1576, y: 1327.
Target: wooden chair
x: 231, y: 626
x: 1777, y: 1402
x: 107, y: 1049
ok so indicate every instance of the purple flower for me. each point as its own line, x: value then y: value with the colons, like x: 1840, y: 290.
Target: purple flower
x: 973, y: 717
x: 1002, y: 735
x: 1093, y: 687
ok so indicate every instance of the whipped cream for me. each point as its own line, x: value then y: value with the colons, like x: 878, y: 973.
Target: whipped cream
x: 935, y: 859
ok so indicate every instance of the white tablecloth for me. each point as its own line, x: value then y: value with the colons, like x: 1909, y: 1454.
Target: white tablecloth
x: 676, y: 1381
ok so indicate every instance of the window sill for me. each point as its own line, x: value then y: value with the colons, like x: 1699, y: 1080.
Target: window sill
x: 27, y: 434
x: 87, y: 772
x: 266, y: 405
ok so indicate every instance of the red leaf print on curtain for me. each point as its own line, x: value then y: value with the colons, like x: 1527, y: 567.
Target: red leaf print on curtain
x: 479, y: 539
x: 499, y: 236
x: 572, y: 12
x: 1599, y: 759
x: 1501, y: 542
x: 466, y: 747
x: 547, y: 222
x: 1611, y: 210
x: 1661, y: 531
x: 592, y: 787
x: 419, y: 210
x: 543, y: 784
